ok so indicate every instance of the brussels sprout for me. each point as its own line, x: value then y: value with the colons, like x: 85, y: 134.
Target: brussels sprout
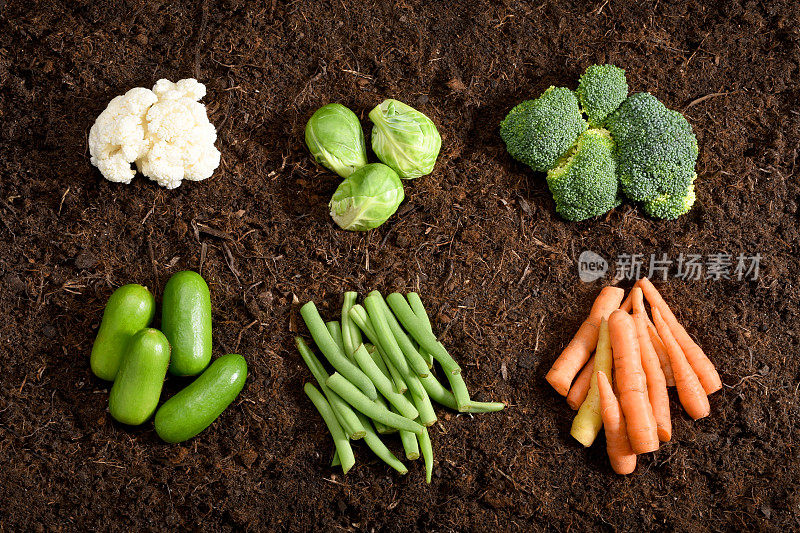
x: 367, y: 198
x: 404, y: 139
x: 335, y: 138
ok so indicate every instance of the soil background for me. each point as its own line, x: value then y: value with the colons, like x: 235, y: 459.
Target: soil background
x: 478, y: 238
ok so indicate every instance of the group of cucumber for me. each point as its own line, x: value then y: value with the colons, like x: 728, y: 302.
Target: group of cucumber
x: 136, y: 358
x: 385, y: 384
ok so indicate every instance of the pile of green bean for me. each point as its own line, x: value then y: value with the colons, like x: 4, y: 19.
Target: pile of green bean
x: 385, y: 383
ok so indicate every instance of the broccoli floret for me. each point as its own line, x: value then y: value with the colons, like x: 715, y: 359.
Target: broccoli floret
x: 656, y: 149
x: 584, y: 182
x: 538, y: 132
x: 601, y: 90
x: 671, y: 206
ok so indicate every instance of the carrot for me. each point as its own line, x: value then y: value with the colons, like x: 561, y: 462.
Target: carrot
x: 580, y: 387
x: 632, y: 383
x: 702, y: 366
x: 661, y: 352
x: 627, y: 305
x: 587, y: 423
x: 620, y: 454
x: 690, y: 391
x: 656, y: 382
x: 584, y: 342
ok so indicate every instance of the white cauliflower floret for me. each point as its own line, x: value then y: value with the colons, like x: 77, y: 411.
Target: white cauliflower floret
x: 175, y: 138
x: 118, y: 136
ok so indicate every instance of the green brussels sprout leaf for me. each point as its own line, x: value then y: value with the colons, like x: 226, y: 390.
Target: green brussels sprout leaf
x: 404, y: 139
x: 335, y: 138
x: 367, y: 198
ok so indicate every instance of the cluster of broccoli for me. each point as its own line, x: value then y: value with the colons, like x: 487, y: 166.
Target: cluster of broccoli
x: 597, y: 143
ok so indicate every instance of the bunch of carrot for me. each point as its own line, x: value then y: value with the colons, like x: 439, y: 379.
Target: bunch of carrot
x: 643, y: 357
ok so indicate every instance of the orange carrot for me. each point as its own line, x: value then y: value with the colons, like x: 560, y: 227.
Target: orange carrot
x: 627, y: 305
x: 690, y: 391
x: 580, y: 387
x: 584, y: 342
x: 620, y: 454
x: 632, y: 383
x: 661, y: 352
x: 656, y: 382
x: 704, y: 368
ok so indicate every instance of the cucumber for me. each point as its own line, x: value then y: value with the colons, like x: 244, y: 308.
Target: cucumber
x: 135, y: 393
x: 194, y: 408
x: 186, y: 322
x: 129, y: 309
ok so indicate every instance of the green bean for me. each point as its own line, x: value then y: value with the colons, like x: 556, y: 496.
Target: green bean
x: 419, y: 310
x: 383, y: 384
x: 383, y: 429
x: 425, y: 354
x: 459, y: 390
x: 438, y: 393
x: 413, y: 357
x: 339, y: 438
x: 416, y: 305
x: 351, y: 336
x: 386, y: 340
x: 410, y: 445
x: 427, y: 454
x: 344, y: 413
x: 416, y: 327
x: 376, y: 358
x: 379, y: 449
x: 335, y: 329
x: 484, y: 407
x: 409, y: 441
x: 362, y: 320
x: 372, y: 350
x: 352, y: 395
x: 399, y: 383
x: 460, y: 393
x: 427, y: 416
x: 333, y: 353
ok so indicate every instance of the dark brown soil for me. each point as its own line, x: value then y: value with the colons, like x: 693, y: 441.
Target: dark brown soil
x: 478, y: 238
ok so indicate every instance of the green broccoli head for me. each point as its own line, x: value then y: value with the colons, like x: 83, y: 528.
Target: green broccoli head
x: 671, y: 206
x: 584, y: 181
x: 656, y: 149
x: 538, y: 132
x: 601, y: 90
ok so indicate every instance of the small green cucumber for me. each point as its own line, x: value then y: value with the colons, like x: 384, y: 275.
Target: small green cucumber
x: 135, y: 393
x: 194, y: 408
x: 186, y: 321
x: 129, y: 309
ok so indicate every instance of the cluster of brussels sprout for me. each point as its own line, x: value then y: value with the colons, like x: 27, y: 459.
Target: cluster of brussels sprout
x: 405, y: 140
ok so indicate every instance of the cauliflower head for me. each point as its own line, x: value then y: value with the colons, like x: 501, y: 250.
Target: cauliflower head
x: 166, y: 132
